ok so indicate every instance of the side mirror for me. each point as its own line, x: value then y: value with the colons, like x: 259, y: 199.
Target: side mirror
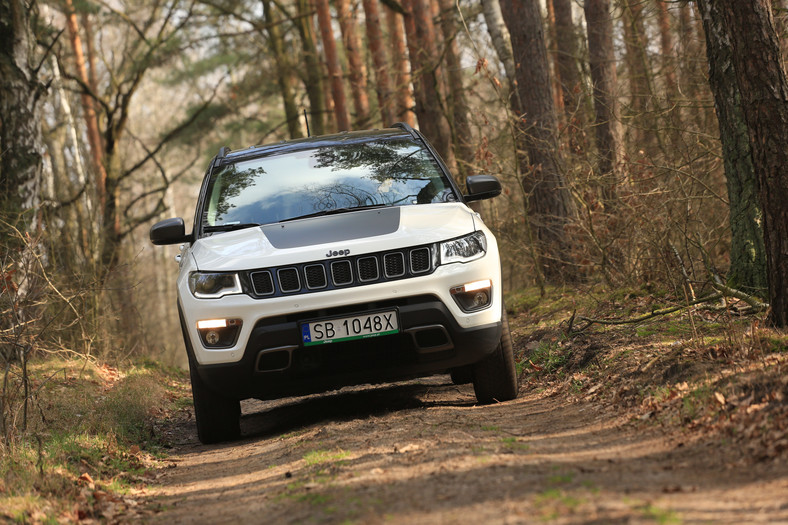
x: 168, y: 231
x: 482, y: 187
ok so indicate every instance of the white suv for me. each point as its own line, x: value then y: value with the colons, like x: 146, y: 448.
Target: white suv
x: 331, y: 261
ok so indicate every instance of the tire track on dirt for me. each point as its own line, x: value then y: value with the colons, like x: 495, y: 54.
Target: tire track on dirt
x: 423, y: 452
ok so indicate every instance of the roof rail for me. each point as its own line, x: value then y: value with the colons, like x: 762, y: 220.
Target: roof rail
x: 223, y: 151
x: 406, y: 127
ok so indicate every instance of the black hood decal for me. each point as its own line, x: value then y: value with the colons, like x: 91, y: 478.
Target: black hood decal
x: 333, y: 228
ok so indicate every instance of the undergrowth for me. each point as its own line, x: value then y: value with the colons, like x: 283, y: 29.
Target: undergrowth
x: 707, y: 367
x: 87, y: 443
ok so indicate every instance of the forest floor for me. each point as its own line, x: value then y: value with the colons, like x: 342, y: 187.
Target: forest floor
x: 682, y: 420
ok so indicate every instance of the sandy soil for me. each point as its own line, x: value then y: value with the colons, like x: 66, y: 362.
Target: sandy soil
x: 423, y: 452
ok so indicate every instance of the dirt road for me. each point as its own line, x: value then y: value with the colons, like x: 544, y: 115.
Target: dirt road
x: 422, y: 452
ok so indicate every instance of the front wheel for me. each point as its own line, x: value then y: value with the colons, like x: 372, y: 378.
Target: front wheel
x: 495, y: 377
x: 218, y: 418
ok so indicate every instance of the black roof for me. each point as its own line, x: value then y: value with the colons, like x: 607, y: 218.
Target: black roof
x: 346, y: 137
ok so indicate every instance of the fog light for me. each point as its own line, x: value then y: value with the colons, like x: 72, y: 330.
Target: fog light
x: 212, y: 337
x: 473, y: 296
x: 219, y: 333
x: 480, y: 299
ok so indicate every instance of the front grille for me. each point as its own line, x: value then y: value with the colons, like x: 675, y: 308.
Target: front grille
x: 340, y: 272
x: 368, y: 269
x: 394, y: 264
x: 420, y: 260
x: 315, y: 276
x: 288, y: 280
x: 262, y: 282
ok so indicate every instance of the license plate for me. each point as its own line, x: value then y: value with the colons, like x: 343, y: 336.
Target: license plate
x: 349, y: 328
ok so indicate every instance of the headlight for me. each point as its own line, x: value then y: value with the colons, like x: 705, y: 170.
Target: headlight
x: 214, y: 285
x: 464, y: 249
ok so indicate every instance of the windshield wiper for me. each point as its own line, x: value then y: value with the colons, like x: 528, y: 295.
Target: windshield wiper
x: 335, y: 211
x: 229, y: 227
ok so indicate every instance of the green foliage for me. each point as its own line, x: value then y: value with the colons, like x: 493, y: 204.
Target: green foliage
x: 321, y: 457
x: 512, y: 443
x: 549, y: 356
x: 661, y: 516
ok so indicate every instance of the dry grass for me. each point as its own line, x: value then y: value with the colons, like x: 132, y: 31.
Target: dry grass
x: 88, y: 443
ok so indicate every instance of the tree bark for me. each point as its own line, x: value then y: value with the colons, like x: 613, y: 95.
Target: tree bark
x: 380, y: 62
x: 667, y: 46
x: 607, y: 126
x: 402, y: 77
x: 357, y: 70
x: 748, y: 255
x: 764, y: 95
x: 458, y: 105
x: 334, y: 69
x: 423, y: 53
x: 550, y: 205
x: 552, y: 53
x: 637, y: 66
x: 567, y: 57
x: 502, y: 43
x: 88, y: 107
x: 21, y: 141
x: 314, y: 77
x: 283, y: 76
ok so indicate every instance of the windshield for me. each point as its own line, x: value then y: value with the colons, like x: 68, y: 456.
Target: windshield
x: 394, y: 172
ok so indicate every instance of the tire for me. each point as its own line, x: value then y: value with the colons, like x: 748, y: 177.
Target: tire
x: 495, y: 377
x: 218, y: 418
x: 462, y: 375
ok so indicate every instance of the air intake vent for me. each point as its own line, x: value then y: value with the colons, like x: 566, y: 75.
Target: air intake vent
x: 394, y: 265
x: 341, y: 273
x: 263, y: 283
x: 315, y: 276
x: 420, y: 260
x: 368, y: 269
x: 288, y: 280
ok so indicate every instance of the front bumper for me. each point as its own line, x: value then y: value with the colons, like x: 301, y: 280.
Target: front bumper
x: 253, y: 311
x: 274, y: 364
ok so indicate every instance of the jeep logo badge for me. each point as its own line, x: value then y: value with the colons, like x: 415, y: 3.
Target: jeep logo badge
x: 337, y: 252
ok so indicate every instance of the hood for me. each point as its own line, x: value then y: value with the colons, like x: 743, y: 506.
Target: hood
x: 313, y: 239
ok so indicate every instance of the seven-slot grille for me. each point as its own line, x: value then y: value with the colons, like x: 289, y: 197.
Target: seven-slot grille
x: 420, y: 260
x: 368, y: 269
x: 262, y: 282
x: 315, y: 276
x: 344, y: 272
x: 394, y: 264
x: 288, y: 280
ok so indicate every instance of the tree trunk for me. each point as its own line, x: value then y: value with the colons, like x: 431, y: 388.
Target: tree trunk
x: 502, y: 43
x: 402, y: 79
x: 283, y: 76
x: 748, y: 256
x: 667, y: 46
x: 356, y: 67
x: 423, y: 53
x: 567, y: 57
x: 21, y: 141
x: 458, y: 105
x: 637, y: 66
x: 334, y: 69
x: 552, y: 53
x: 378, y: 52
x: 764, y: 99
x: 550, y: 203
x: 607, y: 126
x: 88, y: 108
x: 314, y: 77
